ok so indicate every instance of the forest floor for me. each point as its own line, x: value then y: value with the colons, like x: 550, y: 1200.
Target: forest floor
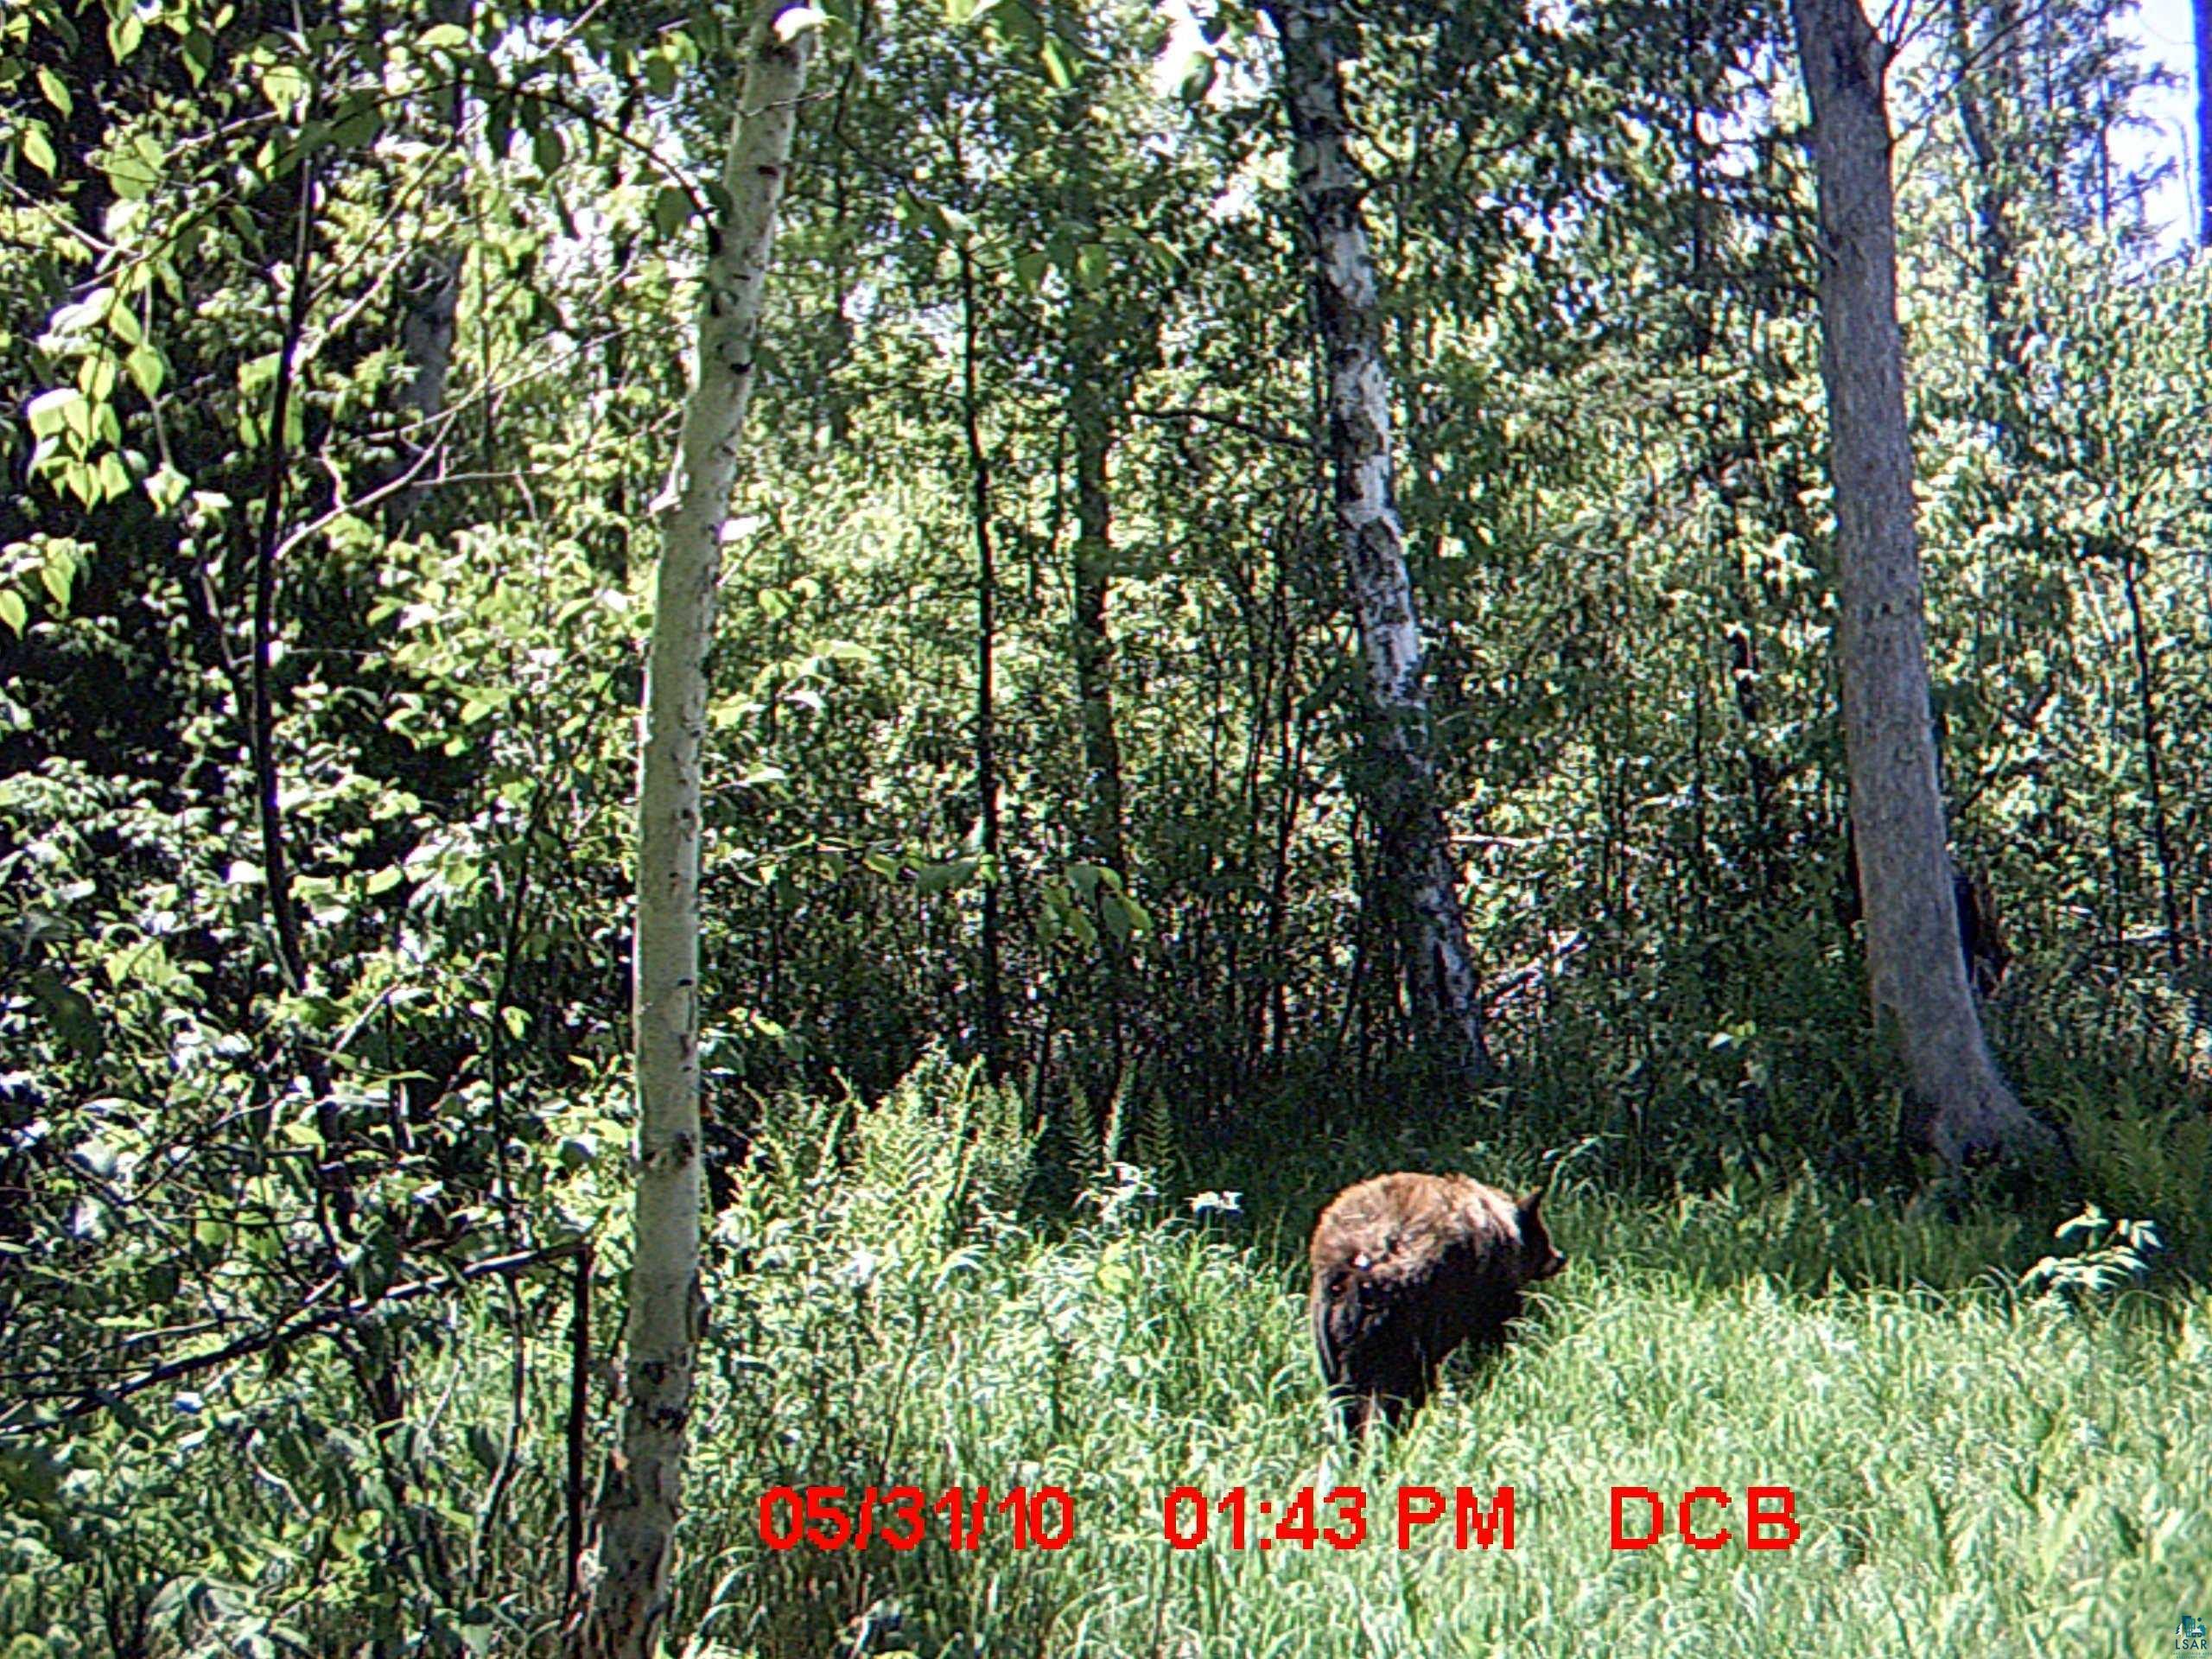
x: 1979, y: 1463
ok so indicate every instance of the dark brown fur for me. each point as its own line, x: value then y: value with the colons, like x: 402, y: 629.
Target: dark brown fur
x: 1406, y: 1267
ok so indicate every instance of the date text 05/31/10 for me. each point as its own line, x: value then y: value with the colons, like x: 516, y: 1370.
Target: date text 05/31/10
x: 900, y: 1517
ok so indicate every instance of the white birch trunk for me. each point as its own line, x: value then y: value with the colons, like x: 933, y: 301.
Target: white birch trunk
x: 641, y: 1498
x: 1418, y: 879
x: 1917, y: 977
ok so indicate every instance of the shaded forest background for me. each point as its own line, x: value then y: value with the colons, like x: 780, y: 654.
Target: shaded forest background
x: 342, y: 365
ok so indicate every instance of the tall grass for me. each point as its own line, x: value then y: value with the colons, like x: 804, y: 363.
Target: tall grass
x: 1988, y: 1454
x: 1976, y: 1468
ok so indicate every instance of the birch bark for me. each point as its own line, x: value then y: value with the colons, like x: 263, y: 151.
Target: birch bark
x: 641, y: 1499
x: 1418, y: 880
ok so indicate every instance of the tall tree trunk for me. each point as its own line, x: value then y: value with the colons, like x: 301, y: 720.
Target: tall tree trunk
x: 1917, y: 980
x: 430, y: 303
x: 1092, y: 647
x: 1982, y: 57
x: 987, y: 585
x: 641, y: 1499
x: 1092, y: 424
x: 1415, y: 870
x: 1099, y: 371
x: 2147, y: 703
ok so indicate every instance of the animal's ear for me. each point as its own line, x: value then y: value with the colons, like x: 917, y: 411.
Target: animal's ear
x: 1528, y: 1205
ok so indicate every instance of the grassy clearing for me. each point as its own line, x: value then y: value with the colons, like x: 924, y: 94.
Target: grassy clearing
x: 1976, y: 1470
x: 1979, y: 1467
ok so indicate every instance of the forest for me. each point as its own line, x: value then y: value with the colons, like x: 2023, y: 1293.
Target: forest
x: 742, y: 746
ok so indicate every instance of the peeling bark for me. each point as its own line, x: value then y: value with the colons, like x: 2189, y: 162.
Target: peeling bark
x: 1416, y: 873
x: 641, y: 1499
x: 1917, y: 977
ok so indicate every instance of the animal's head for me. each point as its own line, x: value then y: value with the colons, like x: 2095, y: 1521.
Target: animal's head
x: 1539, y: 1259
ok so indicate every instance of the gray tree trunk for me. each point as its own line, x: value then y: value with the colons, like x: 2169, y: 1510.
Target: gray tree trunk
x: 431, y: 304
x: 1917, y: 977
x: 1090, y: 424
x: 1416, y: 876
x: 641, y: 1499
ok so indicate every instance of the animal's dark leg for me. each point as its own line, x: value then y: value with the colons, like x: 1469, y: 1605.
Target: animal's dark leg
x: 1397, y: 1386
x: 1351, y: 1409
x: 1351, y: 1416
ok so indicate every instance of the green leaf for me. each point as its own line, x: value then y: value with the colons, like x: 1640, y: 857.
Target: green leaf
x: 1093, y: 263
x: 146, y: 369
x: 671, y: 210
x: 124, y: 31
x: 52, y: 412
x: 56, y: 91
x: 932, y: 878
x: 548, y: 150
x: 12, y: 611
x: 70, y: 1012
x: 357, y: 128
x: 96, y: 378
x: 167, y: 488
x: 59, y: 572
x: 130, y: 177
x: 385, y: 880
x: 444, y: 37
x: 257, y: 372
x: 285, y: 87
x: 1058, y: 70
x: 1123, y: 916
x: 36, y: 150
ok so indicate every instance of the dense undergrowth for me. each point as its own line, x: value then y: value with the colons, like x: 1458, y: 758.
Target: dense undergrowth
x: 1994, y: 1440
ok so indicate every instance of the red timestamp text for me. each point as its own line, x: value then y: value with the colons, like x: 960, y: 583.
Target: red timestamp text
x: 900, y: 1517
x: 1337, y: 1519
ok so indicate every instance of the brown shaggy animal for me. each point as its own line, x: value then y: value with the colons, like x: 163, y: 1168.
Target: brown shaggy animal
x: 1406, y: 1267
